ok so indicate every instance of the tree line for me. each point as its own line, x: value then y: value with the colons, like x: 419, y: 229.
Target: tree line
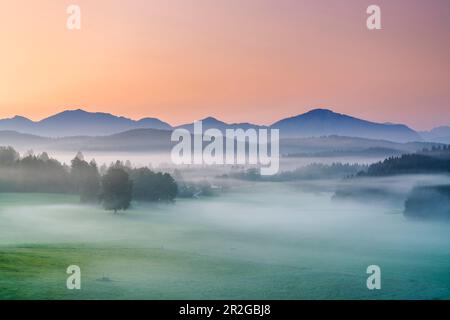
x: 428, y: 203
x: 114, y: 189
x: 434, y: 160
x: 309, y: 172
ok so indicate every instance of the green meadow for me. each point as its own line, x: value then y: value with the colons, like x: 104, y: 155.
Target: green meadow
x: 257, y: 242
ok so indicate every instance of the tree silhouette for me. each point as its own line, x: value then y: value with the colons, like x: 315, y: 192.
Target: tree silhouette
x: 8, y: 156
x: 40, y: 173
x: 86, y: 179
x: 151, y: 186
x: 117, y: 189
x: 426, y: 162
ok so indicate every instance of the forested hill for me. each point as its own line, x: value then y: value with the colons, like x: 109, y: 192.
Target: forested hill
x: 435, y: 160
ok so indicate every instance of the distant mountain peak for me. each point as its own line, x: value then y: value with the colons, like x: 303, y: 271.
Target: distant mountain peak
x: 325, y: 122
x: 82, y: 112
x: 211, y: 119
x: 79, y: 122
x: 67, y: 113
x: 17, y: 119
x: 20, y: 118
x: 315, y: 113
x: 320, y: 111
x: 72, y: 111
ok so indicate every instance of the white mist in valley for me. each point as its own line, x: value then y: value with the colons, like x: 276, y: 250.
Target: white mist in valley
x: 299, y: 228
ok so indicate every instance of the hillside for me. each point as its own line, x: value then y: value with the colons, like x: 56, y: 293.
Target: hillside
x: 436, y: 160
x: 151, y: 140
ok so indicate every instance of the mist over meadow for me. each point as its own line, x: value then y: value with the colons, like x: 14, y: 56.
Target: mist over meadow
x: 310, y: 236
x: 112, y: 110
x: 140, y: 227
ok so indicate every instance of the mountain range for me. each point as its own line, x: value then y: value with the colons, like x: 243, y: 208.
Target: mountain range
x: 315, y: 123
x: 80, y: 123
x: 159, y: 142
x: 439, y: 134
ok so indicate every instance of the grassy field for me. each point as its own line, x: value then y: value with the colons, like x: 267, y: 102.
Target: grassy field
x: 286, y: 245
x: 29, y: 273
x: 39, y: 273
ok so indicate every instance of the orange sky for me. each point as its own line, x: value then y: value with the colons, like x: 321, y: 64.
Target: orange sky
x: 238, y: 60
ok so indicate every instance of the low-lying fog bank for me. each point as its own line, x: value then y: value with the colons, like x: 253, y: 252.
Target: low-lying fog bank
x: 309, y: 232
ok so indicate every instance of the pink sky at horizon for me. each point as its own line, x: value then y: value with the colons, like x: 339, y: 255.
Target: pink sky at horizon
x: 237, y: 60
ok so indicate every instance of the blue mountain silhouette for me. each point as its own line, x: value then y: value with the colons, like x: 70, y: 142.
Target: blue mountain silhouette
x: 80, y: 123
x: 315, y: 123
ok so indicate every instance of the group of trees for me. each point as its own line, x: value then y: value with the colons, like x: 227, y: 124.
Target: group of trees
x: 32, y: 173
x: 115, y: 188
x: 194, y: 189
x: 410, y: 164
x: 85, y: 178
x: 428, y: 203
x: 120, y: 184
x: 153, y: 186
x: 308, y: 172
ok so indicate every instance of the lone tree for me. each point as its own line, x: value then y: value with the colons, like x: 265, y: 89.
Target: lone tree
x: 117, y: 189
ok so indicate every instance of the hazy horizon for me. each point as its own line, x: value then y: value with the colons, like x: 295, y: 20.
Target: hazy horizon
x: 257, y: 60
x: 188, y: 121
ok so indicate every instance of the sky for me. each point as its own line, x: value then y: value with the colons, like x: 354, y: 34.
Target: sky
x: 237, y: 60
